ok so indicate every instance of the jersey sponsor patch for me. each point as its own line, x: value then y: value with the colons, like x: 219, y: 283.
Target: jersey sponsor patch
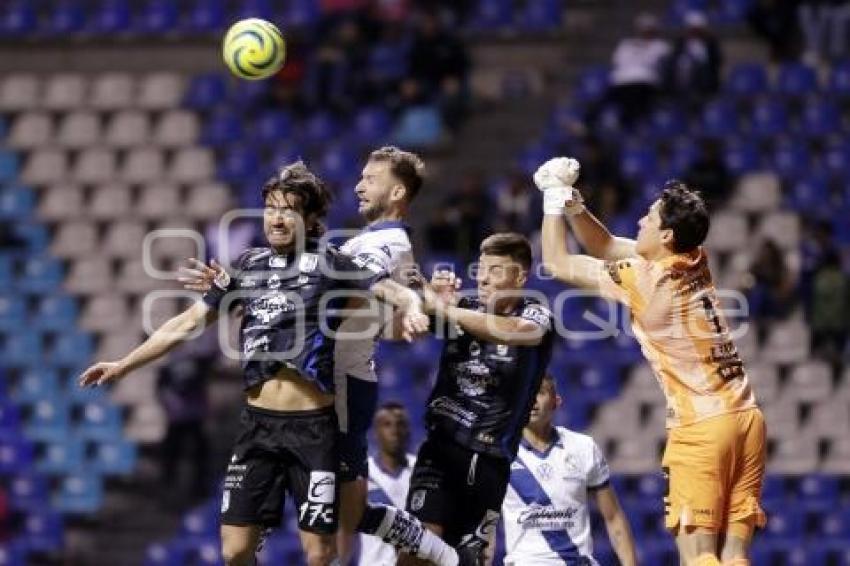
x: 537, y: 314
x: 322, y: 487
x: 417, y: 499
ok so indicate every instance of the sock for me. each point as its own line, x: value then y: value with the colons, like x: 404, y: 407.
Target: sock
x: 404, y: 531
x: 737, y: 562
x: 707, y: 560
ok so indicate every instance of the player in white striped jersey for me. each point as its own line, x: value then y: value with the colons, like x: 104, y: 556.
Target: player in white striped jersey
x: 556, y: 471
x: 389, y: 476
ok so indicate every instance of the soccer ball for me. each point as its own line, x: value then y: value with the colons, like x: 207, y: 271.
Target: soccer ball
x: 254, y: 49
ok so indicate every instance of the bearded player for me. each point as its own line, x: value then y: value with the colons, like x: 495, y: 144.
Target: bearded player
x: 715, y: 454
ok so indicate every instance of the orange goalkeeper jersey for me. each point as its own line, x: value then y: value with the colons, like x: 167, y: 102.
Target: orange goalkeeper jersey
x: 676, y: 319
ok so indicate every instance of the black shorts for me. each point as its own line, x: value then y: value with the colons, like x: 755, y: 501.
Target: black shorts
x: 277, y: 452
x: 457, y: 488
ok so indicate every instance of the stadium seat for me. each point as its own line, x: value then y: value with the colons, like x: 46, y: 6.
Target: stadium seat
x: 783, y: 228
x: 321, y: 128
x: 222, y: 128
x: 19, y: 91
x: 796, y: 79
x: 158, y: 17
x: 67, y: 17
x: 111, y: 17
x: 35, y: 384
x: 253, y: 9
x: 794, y: 455
x: 205, y: 92
x: 128, y: 128
x: 201, y: 521
x: 16, y: 203
x: 239, y: 162
x: 55, y: 312
x: 746, y: 79
x: 89, y: 276
x: 158, y: 200
x: 839, y: 79
x: 28, y: 492
x: 819, y: 487
x: 831, y: 418
x: 192, y: 165
x: 160, y: 91
x: 728, y: 230
x: 784, y: 524
x: 6, y: 266
x: 98, y: 421
x: 30, y: 130
x: 46, y: 420
x: 16, y: 454
x: 836, y: 158
x: 810, y: 382
x: 114, y: 458
x: 176, y: 128
x: 143, y: 165
x: 13, y: 312
x: 372, y: 126
x: 541, y: 15
x: 18, y: 19
x: 757, y: 193
x: 491, y: 14
x: 43, y: 531
x: 112, y: 91
x: 95, y: 165
x: 418, y: 127
x: 208, y: 201
x: 791, y: 159
x: 35, y: 236
x: 79, y: 494
x: 9, y: 420
x: 205, y: 16
x: 638, y: 161
x: 72, y: 349
x: 40, y: 275
x: 166, y: 554
x: 809, y: 195
x: 66, y: 456
x: 110, y: 201
x: 74, y: 239
x: 592, y: 84
x: 667, y: 122
x: 764, y: 379
x: 124, y: 239
x: 61, y: 202
x: 820, y: 117
x: 769, y: 118
x: 741, y: 156
x: 79, y: 130
x: 65, y: 92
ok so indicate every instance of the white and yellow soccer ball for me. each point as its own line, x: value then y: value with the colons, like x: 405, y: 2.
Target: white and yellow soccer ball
x: 254, y: 49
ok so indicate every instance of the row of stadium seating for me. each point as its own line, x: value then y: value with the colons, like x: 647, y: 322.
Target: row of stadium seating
x: 61, y: 18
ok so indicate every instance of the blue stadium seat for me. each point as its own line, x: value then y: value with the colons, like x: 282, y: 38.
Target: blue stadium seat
x: 205, y: 16
x: 79, y: 494
x: 36, y: 383
x: 592, y: 84
x: 72, y: 349
x: 111, y: 17
x: 541, y: 15
x: 836, y: 158
x: 819, y: 487
x: 532, y: 156
x: 16, y: 455
x: 8, y: 166
x: 321, y: 128
x: 6, y: 270
x: 47, y: 420
x: 114, y: 458
x: 207, y: 551
x: 272, y: 127
x: 10, y: 419
x: 34, y: 235
x: 21, y: 348
x: 64, y: 457
x: 769, y: 118
x: 283, y: 154
x: 165, y: 554
x: 667, y: 122
x: 820, y: 117
x: 791, y: 159
x: 202, y: 521
x: 239, y: 163
x: 18, y: 19
x: 222, y: 128
x: 746, y: 79
x: 372, y: 125
x: 733, y: 11
x: 28, y: 492
x: 835, y: 524
x: 56, y: 312
x: 16, y: 203
x: 99, y: 421
x: 491, y: 14
x: 839, y: 79
x: 66, y: 17
x: 43, y: 531
x: 741, y: 156
x: 13, y: 312
x: 302, y: 13
x: 40, y: 274
x: 205, y: 91
x: 638, y: 161
x: 809, y: 195
x: 719, y: 118
x: 158, y: 17
x: 419, y: 126
x: 774, y: 487
x: 14, y: 553
x: 253, y: 9
x: 785, y: 524
x: 600, y: 381
x: 796, y: 79
x: 683, y: 154
x: 388, y: 62
x: 339, y: 165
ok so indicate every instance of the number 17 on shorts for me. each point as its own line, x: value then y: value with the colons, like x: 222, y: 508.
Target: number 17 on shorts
x: 318, y: 512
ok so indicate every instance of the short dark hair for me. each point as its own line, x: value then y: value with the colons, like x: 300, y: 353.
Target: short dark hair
x: 549, y: 381
x: 406, y: 166
x: 684, y: 211
x: 296, y: 178
x: 510, y: 244
x: 391, y: 406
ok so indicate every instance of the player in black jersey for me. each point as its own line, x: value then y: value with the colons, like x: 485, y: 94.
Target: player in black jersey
x: 496, y: 350
x: 288, y: 292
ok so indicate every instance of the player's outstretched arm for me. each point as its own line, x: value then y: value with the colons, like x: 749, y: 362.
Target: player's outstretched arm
x: 412, y: 321
x: 595, y: 238
x: 164, y: 339
x: 617, y: 525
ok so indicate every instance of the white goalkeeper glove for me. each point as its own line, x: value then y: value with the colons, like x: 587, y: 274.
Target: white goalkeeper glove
x: 556, y: 178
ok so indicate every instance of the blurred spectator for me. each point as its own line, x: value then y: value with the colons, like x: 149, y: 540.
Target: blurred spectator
x: 830, y: 308
x: 182, y: 391
x: 439, y: 65
x: 517, y: 205
x: 335, y: 77
x: 388, y: 63
x: 694, y: 66
x: 776, y: 22
x: 637, y: 72
x: 708, y: 173
x: 601, y: 182
x: 461, y: 222
x: 770, y: 284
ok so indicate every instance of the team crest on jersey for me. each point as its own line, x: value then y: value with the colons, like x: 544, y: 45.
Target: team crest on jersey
x: 544, y: 470
x: 308, y: 262
x: 248, y: 282
x: 274, y: 282
x: 303, y: 279
x: 278, y: 261
x: 417, y: 500
x: 474, y: 349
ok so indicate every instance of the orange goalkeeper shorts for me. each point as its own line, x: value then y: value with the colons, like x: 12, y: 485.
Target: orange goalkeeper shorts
x: 714, y: 471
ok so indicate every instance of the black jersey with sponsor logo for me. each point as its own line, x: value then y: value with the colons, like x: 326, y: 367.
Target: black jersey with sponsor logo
x: 485, y: 390
x: 290, y: 304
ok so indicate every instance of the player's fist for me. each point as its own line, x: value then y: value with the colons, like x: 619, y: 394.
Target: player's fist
x: 101, y: 373
x: 557, y: 173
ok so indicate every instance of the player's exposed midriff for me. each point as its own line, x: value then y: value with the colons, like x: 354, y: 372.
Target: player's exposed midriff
x: 288, y: 391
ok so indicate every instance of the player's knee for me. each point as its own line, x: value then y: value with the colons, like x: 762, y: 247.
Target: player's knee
x: 320, y: 554
x: 236, y: 553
